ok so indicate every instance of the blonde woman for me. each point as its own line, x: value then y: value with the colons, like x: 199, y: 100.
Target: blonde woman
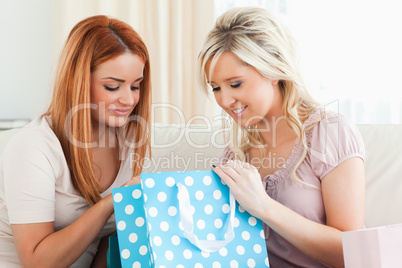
x: 289, y: 162
x: 57, y: 173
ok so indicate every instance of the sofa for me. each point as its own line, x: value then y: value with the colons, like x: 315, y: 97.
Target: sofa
x: 197, y: 147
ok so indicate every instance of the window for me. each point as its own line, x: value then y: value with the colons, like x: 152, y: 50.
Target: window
x: 350, y: 55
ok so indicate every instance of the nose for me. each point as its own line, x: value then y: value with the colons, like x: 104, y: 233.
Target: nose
x: 127, y: 96
x: 225, y: 98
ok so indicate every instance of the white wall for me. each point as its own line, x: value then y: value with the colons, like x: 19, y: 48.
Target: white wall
x: 26, y: 71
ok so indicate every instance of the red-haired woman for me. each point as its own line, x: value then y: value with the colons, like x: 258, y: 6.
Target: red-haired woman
x: 57, y: 173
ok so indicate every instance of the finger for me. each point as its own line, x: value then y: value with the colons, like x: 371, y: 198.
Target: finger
x: 225, y: 177
x: 239, y: 166
x: 230, y: 172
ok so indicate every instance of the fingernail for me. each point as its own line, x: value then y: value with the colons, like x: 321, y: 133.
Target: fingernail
x: 213, y: 166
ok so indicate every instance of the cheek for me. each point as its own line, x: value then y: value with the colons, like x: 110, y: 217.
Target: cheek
x: 218, y: 98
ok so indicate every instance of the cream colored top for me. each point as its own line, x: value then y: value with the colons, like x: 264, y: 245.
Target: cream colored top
x: 35, y: 186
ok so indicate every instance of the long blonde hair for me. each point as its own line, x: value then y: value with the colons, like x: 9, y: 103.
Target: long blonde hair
x: 258, y: 39
x: 91, y: 42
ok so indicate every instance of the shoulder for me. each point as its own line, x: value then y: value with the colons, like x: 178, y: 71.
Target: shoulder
x: 35, y: 138
x: 329, y: 126
x: 331, y: 139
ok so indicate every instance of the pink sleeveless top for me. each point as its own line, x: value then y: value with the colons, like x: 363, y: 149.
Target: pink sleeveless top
x: 331, y: 141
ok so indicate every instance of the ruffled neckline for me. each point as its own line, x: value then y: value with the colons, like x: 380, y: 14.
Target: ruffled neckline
x: 296, y: 153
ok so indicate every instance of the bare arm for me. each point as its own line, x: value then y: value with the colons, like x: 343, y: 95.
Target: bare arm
x: 39, y: 246
x: 343, y: 195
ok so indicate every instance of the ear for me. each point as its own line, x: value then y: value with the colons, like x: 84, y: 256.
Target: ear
x: 274, y: 82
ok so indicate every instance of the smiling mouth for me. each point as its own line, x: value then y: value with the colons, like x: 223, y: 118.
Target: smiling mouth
x: 239, y: 112
x: 120, y: 112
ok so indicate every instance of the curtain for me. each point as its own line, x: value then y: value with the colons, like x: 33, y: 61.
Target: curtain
x: 173, y: 30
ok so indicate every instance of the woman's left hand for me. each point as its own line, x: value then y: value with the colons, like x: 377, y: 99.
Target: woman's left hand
x: 245, y: 183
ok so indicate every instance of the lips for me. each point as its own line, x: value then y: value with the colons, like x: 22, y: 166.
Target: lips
x: 240, y: 111
x: 120, y: 112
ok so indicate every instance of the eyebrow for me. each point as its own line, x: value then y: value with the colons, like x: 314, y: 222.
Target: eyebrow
x: 230, y: 78
x: 121, y: 80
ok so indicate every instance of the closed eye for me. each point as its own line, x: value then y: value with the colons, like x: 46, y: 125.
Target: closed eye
x: 236, y: 85
x: 216, y: 88
x: 135, y: 88
x: 111, y: 88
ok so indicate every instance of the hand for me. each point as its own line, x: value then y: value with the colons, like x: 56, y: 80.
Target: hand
x: 245, y: 183
x: 133, y: 180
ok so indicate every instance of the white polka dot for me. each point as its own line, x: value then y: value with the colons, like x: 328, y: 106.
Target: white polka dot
x: 153, y: 211
x: 149, y: 227
x: 157, y: 241
x: 164, y: 226
x: 208, y: 209
x: 210, y: 237
x: 192, y: 208
x: 217, y: 194
x: 137, y: 264
x: 257, y: 248
x: 162, y: 197
x: 207, y: 180
x: 201, y: 224
x: 172, y: 211
x: 125, y: 253
x: 240, y: 250
x: 236, y: 222
x: 181, y: 226
x: 234, y: 264
x: 266, y: 261
x: 241, y: 209
x: 143, y: 250
x: 121, y: 225
x: 180, y: 266
x: 187, y: 254
x: 175, y: 240
x: 262, y: 234
x: 169, y: 255
x: 245, y: 235
x: 139, y: 221
x: 223, y: 182
x: 170, y: 181
x: 198, y: 265
x: 118, y: 197
x: 133, y: 237
x: 252, y: 221
x: 199, y: 195
x: 189, y: 181
x: 251, y: 263
x: 150, y: 183
x: 226, y: 208
x: 129, y: 209
x: 218, y: 223
x: 223, y: 252
x: 205, y: 254
x: 136, y: 194
x: 145, y: 198
x: 216, y: 264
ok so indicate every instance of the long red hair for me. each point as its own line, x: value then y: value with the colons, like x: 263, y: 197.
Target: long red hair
x: 91, y: 42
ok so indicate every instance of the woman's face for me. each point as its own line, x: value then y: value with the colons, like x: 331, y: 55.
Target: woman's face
x: 115, y: 90
x: 243, y: 92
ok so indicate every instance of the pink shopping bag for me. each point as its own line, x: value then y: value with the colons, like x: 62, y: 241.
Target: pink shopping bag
x: 378, y: 247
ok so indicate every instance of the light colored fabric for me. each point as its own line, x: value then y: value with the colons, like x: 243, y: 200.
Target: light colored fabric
x: 383, y: 167
x: 331, y: 141
x: 174, y: 32
x: 185, y: 147
x: 35, y: 186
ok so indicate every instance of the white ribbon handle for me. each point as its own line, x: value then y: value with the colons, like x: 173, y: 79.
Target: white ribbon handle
x: 188, y: 223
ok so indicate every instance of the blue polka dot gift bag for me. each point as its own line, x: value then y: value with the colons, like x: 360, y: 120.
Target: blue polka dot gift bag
x: 185, y: 219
